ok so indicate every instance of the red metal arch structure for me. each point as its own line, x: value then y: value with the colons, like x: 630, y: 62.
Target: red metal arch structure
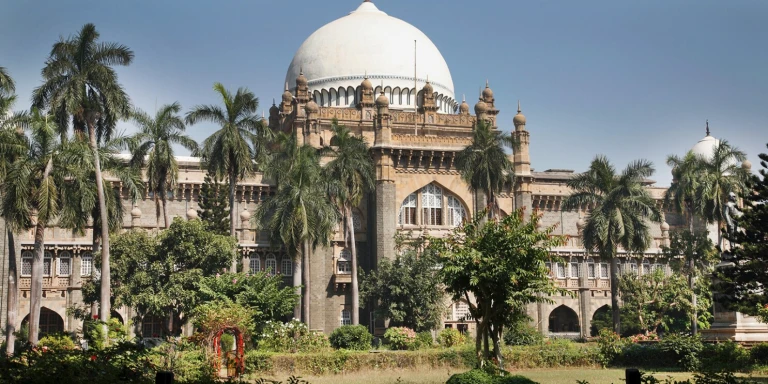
x: 239, y: 353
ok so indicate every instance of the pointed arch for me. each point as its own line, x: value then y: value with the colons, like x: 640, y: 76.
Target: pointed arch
x: 50, y: 322
x: 563, y: 319
x: 326, y: 100
x: 603, y: 312
x: 343, y: 98
x: 333, y: 98
x: 397, y: 97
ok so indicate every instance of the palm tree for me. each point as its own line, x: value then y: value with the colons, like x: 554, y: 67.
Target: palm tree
x: 79, y: 81
x: 484, y: 165
x: 350, y: 176
x: 152, y: 147
x: 230, y: 150
x: 7, y: 85
x: 621, y: 208
x: 31, y: 198
x: 682, y: 196
x: 721, y: 174
x: 299, y: 214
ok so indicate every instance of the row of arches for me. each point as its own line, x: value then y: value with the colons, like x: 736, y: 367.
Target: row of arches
x: 432, y: 206
x: 52, y: 323
x: 398, y: 97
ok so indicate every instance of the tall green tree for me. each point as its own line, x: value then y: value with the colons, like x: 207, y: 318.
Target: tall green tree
x: 230, y: 150
x: 721, y: 174
x: 407, y: 290
x: 621, y: 209
x: 32, y: 197
x: 745, y: 276
x: 484, y: 165
x: 299, y: 214
x: 214, y: 204
x: 152, y: 149
x: 684, y: 197
x: 502, y: 265
x: 79, y: 81
x: 656, y: 301
x: 350, y: 175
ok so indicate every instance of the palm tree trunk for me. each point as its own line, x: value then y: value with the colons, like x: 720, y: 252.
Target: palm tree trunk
x: 232, y: 213
x: 36, y: 289
x: 12, y: 298
x: 692, y: 282
x: 297, y: 287
x: 106, y: 283
x: 353, y: 248
x: 305, y: 278
x: 164, y: 200
x: 616, y: 312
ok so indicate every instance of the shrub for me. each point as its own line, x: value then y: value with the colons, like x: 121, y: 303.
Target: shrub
x: 354, y: 337
x: 400, y: 338
x: 610, y: 344
x: 685, y: 349
x: 523, y: 334
x: 759, y: 353
x: 475, y: 376
x: 291, y: 337
x: 57, y: 342
x: 94, y: 333
x: 450, y: 337
x: 515, y: 379
x: 424, y: 339
x: 188, y: 362
x: 227, y: 341
x: 724, y: 357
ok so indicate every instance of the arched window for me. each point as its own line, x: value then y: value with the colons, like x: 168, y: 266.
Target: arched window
x: 65, y: 263
x: 344, y: 264
x: 591, y: 268
x: 152, y: 326
x: 408, y: 210
x: 432, y: 205
x: 47, y: 259
x: 334, y: 141
x: 270, y: 265
x: 456, y: 212
x: 26, y: 263
x: 50, y: 322
x: 286, y: 266
x: 658, y: 266
x: 346, y: 317
x: 560, y: 270
x: 86, y: 264
x: 254, y: 263
x: 357, y: 222
x: 604, y: 270
x: 575, y: 271
x: 461, y: 311
x: 563, y: 319
x: 646, y: 267
x: 632, y: 266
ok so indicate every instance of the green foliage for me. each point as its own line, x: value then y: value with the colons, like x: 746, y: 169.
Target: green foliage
x: 759, y: 353
x: 611, y: 345
x: 602, y: 320
x: 685, y: 349
x: 406, y: 290
x: 478, y: 376
x: 227, y: 342
x: 354, y: 337
x: 214, y: 204
x: 424, y: 339
x: 93, y: 332
x: 291, y: 337
x: 658, y: 302
x: 400, y: 338
x: 188, y: 362
x: 212, y: 317
x: 522, y: 333
x: 161, y: 274
x: 57, y: 342
x: 728, y: 356
x: 502, y: 264
x: 263, y: 295
x: 450, y: 338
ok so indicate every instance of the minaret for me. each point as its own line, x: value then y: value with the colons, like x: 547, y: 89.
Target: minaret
x: 522, y: 164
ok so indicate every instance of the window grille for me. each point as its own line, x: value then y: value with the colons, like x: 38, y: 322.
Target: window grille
x: 408, y: 210
x: 456, y: 212
x: 346, y: 317
x: 591, y: 268
x: 270, y: 264
x: 86, y: 264
x: 286, y: 266
x: 604, y: 270
x: 254, y: 263
x: 344, y: 264
x: 432, y: 205
x: 560, y: 270
x: 65, y: 263
x: 26, y: 263
x: 575, y: 270
x: 47, y: 259
x: 461, y: 311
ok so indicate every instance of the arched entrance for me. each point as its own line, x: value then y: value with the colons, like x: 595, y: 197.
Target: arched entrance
x: 601, y: 319
x: 564, y: 320
x: 50, y: 322
x: 236, y: 362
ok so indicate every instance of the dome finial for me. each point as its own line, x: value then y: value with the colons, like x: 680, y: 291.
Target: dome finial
x: 707, y: 127
x: 273, y: 101
x: 366, y: 74
x: 463, y: 97
x: 486, y: 83
x: 518, y: 106
x: 286, y: 86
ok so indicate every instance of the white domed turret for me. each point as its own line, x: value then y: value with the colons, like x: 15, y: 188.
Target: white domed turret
x: 336, y: 57
x: 245, y: 215
x: 746, y: 165
x: 706, y: 146
x: 191, y: 214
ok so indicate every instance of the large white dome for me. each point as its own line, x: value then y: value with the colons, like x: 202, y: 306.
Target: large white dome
x: 337, y: 57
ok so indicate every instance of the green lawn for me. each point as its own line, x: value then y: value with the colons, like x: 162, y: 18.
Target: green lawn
x: 439, y: 376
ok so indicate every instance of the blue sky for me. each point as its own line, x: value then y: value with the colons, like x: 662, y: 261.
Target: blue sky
x: 627, y: 79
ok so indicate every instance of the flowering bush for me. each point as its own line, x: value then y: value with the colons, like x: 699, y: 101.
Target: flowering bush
x: 651, y: 336
x: 450, y: 337
x: 291, y: 337
x: 57, y: 342
x: 400, y: 337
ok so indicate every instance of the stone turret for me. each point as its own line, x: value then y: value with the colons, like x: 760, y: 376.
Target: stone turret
x: 302, y: 89
x: 274, y: 116
x: 464, y: 107
x: 366, y: 90
x: 286, y: 106
x: 522, y: 162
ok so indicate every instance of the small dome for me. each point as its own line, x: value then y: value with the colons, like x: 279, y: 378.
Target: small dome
x: 287, y: 96
x: 428, y: 89
x: 746, y: 165
x: 581, y: 223
x: 481, y: 107
x: 382, y: 100
x: 519, y: 119
x: 312, y: 107
x: 464, y: 108
x: 665, y: 226
x: 366, y: 84
x: 245, y: 215
x: 191, y: 214
x: 136, y: 212
x: 487, y: 92
x: 705, y: 147
x: 301, y: 81
x: 274, y: 109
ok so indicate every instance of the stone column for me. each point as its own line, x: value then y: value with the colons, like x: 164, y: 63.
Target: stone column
x: 584, y: 298
x: 74, y: 291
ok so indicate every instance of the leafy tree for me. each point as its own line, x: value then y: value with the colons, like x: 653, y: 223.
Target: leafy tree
x: 7, y: 85
x: 230, y: 150
x: 746, y: 274
x: 502, y: 265
x: 152, y: 149
x: 484, y: 165
x: 299, y: 214
x: 656, y: 301
x: 407, y: 290
x: 263, y: 295
x: 214, y: 204
x: 620, y: 214
x: 350, y: 176
x: 79, y: 81
x: 160, y: 274
x: 31, y: 198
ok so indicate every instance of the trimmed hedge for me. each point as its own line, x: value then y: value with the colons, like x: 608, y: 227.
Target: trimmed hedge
x: 354, y: 337
x: 477, y: 376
